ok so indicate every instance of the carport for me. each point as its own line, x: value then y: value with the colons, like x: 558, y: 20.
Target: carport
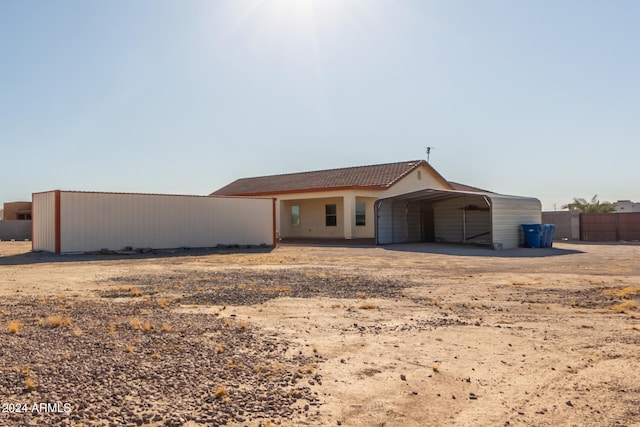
x: 449, y: 216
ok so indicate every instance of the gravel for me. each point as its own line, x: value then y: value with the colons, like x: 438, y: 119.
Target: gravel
x: 110, y: 363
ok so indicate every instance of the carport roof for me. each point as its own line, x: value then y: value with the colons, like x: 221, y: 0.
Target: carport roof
x: 436, y: 195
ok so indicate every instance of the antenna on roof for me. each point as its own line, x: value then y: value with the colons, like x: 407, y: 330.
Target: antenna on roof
x: 429, y: 152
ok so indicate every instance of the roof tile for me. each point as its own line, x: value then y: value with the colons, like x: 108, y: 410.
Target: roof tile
x: 373, y: 176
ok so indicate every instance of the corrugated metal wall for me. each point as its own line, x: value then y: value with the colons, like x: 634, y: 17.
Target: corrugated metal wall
x: 44, y: 222
x: 508, y: 214
x: 457, y: 218
x: 93, y: 221
x: 465, y: 219
x: 384, y: 221
x: 448, y: 220
x: 610, y: 227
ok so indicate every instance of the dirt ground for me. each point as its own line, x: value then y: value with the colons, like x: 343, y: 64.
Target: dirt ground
x: 460, y: 336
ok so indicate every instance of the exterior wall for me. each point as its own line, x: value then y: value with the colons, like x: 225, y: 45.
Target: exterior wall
x: 44, y: 222
x: 567, y: 224
x: 508, y: 214
x: 625, y: 206
x: 94, y: 221
x: 367, y: 230
x: 13, y: 210
x: 419, y: 179
x: 312, y: 218
x: 15, y: 229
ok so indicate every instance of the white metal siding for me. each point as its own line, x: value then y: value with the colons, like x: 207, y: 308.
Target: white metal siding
x: 43, y: 217
x: 414, y: 228
x: 399, y: 225
x: 93, y: 221
x: 447, y: 217
x: 508, y: 214
x: 384, y: 229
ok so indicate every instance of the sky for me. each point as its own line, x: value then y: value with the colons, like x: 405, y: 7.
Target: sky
x: 533, y: 98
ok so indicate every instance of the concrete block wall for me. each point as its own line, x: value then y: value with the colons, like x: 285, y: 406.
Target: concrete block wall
x: 15, y: 229
x: 567, y: 224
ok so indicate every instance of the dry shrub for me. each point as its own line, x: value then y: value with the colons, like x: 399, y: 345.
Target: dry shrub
x: 29, y: 383
x: 14, y: 326
x: 163, y: 303
x: 221, y: 393
x: 128, y: 348
x: 166, y: 327
x: 57, y: 321
x: 135, y: 323
x: 627, y: 292
x: 147, y: 326
x: 624, y: 307
x: 368, y: 305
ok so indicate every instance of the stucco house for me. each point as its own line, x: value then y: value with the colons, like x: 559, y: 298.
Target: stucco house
x: 335, y: 203
x: 389, y: 203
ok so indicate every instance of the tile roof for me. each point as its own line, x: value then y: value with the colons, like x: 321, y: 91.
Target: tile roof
x: 378, y: 177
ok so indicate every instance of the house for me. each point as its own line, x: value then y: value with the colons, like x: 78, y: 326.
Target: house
x: 17, y: 211
x: 391, y: 203
x: 15, y: 221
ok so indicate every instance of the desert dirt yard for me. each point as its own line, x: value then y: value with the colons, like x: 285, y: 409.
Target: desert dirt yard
x: 401, y: 335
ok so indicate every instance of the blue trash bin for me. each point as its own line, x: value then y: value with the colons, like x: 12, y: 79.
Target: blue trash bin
x: 533, y: 234
x: 549, y: 231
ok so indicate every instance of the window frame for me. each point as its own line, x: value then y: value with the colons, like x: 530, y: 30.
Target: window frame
x: 330, y: 218
x: 295, y: 217
x: 361, y: 218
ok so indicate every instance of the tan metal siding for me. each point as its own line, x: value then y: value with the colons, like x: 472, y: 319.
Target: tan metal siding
x: 508, y: 214
x: 94, y: 221
x: 44, y: 229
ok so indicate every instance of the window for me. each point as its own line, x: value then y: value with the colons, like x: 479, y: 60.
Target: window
x: 361, y: 216
x: 295, y: 215
x: 331, y: 215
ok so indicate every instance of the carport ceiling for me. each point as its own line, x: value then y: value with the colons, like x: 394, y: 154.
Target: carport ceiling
x: 436, y: 195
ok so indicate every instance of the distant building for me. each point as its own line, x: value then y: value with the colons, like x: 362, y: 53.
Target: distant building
x: 17, y: 211
x: 627, y: 206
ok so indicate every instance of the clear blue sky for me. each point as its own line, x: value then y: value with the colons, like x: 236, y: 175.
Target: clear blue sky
x: 537, y: 98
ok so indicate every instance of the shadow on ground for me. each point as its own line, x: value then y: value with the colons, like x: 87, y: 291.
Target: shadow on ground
x: 479, y: 251
x: 47, y: 257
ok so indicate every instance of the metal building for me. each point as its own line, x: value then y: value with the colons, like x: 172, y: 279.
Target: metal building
x: 455, y: 217
x: 72, y: 221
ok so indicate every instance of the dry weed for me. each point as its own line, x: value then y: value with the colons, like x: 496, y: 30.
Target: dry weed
x: 14, y: 326
x: 135, y: 323
x: 624, y: 307
x: 29, y: 383
x: 368, y: 305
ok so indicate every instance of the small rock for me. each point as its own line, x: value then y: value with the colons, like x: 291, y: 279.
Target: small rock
x: 403, y: 377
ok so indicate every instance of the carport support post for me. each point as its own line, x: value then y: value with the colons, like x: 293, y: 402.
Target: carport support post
x: 349, y: 207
